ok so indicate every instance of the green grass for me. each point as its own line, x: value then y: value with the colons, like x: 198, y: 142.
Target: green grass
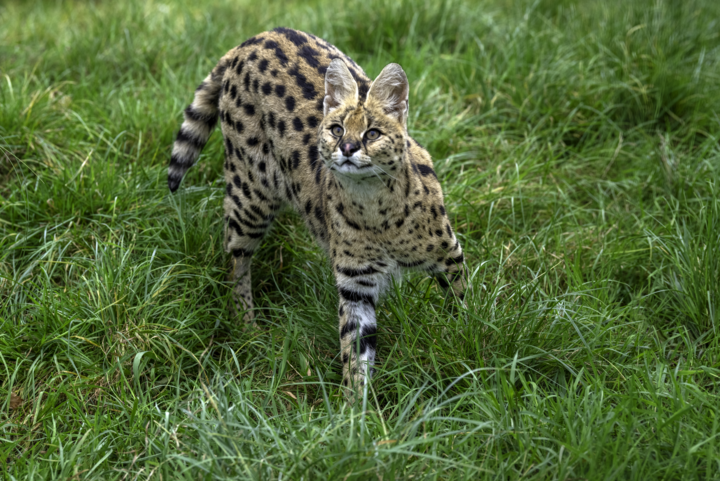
x: 577, y: 143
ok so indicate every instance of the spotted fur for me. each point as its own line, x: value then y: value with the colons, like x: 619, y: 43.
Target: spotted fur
x: 374, y: 204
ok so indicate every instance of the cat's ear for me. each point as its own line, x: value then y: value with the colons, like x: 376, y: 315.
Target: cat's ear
x: 340, y: 86
x: 391, y: 90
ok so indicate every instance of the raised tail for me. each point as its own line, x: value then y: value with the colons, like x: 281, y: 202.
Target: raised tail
x: 200, y: 119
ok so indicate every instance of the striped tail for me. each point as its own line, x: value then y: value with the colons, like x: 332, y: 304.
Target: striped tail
x: 200, y: 119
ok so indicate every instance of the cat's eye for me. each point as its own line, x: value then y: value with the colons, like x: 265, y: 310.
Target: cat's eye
x: 336, y: 130
x: 372, y: 134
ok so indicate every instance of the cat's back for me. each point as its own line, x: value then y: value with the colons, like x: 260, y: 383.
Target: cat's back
x: 282, y: 72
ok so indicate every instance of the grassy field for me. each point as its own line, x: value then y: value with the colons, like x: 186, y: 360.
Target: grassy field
x: 577, y: 143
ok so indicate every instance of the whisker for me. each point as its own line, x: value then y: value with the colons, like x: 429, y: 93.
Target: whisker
x: 386, y: 173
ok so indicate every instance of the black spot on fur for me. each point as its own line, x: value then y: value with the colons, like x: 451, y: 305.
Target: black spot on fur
x: 236, y: 227
x: 249, y: 109
x: 313, y: 155
x: 208, y: 119
x: 293, y: 35
x: 281, y: 127
x: 442, y: 281
x: 368, y: 339
x: 252, y: 57
x: 352, y: 296
x: 246, y: 191
x: 350, y: 272
x: 241, y: 253
x: 308, y: 89
x: 263, y: 65
x: 340, y: 208
x: 256, y: 85
x: 310, y: 55
x: 298, y: 124
x: 184, y: 136
x: 271, y: 119
x: 280, y: 90
x: 280, y: 55
x: 251, y: 41
x: 350, y: 326
x: 306, y: 139
x: 253, y: 141
x: 274, y: 73
x: 290, y: 103
x: 259, y: 211
x: 246, y: 82
x: 233, y: 92
x: 267, y: 88
x: 295, y: 159
x: 218, y: 72
x: 312, y: 121
x: 457, y: 260
x: 251, y: 215
x: 319, y: 215
x: 409, y: 265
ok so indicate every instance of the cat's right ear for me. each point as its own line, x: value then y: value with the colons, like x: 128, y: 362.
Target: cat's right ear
x: 340, y: 86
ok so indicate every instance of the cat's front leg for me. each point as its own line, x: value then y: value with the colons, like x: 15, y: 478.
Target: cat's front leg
x: 358, y: 290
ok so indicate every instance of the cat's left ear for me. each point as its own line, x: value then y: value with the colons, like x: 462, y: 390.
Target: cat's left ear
x: 340, y: 86
x: 391, y: 90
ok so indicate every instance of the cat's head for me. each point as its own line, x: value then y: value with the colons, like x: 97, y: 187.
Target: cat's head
x: 364, y: 138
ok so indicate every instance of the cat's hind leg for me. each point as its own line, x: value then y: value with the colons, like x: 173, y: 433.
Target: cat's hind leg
x: 250, y: 208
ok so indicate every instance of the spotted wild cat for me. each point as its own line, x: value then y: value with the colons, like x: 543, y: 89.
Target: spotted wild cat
x: 304, y: 126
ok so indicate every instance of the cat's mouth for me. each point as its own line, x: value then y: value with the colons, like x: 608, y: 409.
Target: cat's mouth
x: 350, y: 166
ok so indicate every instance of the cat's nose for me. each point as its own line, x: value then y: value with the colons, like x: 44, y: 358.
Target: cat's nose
x: 349, y: 148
